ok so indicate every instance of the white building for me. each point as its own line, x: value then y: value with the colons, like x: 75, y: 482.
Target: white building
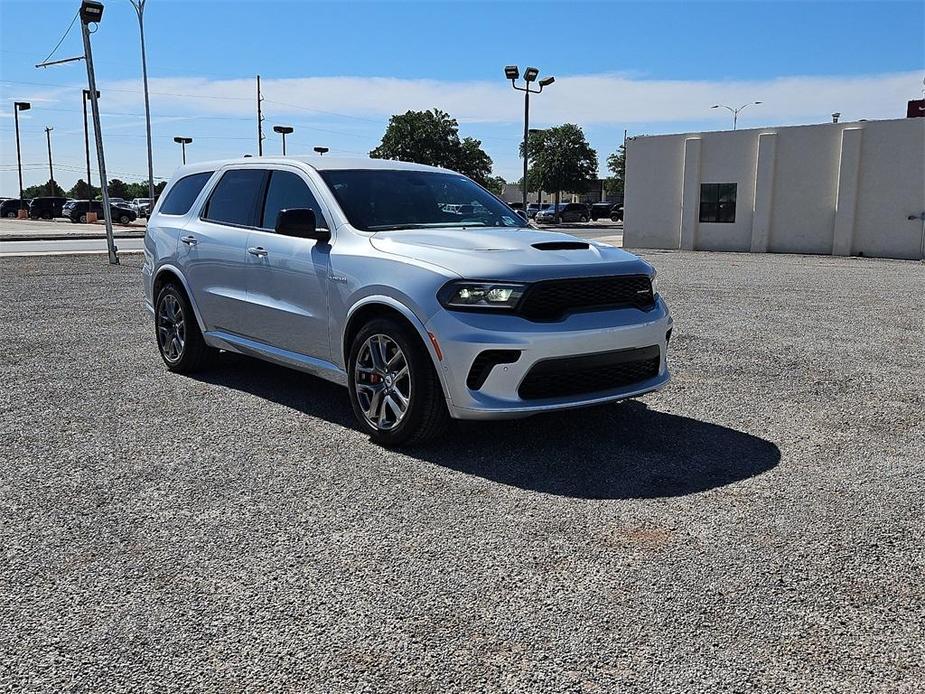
x: 835, y: 188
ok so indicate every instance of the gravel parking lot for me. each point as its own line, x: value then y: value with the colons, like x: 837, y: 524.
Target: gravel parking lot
x: 756, y: 526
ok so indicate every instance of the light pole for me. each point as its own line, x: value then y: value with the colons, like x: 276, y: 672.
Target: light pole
x: 91, y: 12
x: 321, y: 150
x: 139, y: 6
x: 283, y: 130
x: 17, y: 107
x: 736, y: 111
x: 183, y: 142
x: 512, y: 72
x: 51, y: 171
x: 86, y: 98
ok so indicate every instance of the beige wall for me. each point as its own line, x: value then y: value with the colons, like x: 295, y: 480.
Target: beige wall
x: 843, y: 188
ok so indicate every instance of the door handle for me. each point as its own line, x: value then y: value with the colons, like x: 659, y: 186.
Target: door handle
x: 259, y: 251
x: 189, y: 240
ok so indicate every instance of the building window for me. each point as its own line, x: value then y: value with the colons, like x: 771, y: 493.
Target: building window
x: 718, y: 202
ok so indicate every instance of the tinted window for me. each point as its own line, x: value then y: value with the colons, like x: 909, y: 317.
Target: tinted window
x: 286, y: 191
x: 184, y: 193
x: 376, y: 200
x: 235, y: 198
x: 718, y: 202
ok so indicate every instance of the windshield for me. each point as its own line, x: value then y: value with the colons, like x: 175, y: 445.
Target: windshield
x: 378, y: 200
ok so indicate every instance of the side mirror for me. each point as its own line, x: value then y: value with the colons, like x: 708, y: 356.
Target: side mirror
x: 521, y: 213
x: 301, y: 223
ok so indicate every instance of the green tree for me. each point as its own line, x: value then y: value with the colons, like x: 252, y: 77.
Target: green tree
x: 49, y: 188
x: 496, y: 185
x: 432, y: 137
x: 118, y: 189
x: 80, y: 191
x: 561, y: 159
x: 616, y: 164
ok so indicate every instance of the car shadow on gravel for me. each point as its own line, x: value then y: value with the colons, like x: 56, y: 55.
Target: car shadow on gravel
x: 617, y: 451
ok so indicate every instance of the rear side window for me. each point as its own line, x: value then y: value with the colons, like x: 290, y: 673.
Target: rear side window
x: 286, y: 191
x: 184, y: 193
x: 235, y: 198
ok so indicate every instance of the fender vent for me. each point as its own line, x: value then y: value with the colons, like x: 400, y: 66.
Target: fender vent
x: 561, y: 246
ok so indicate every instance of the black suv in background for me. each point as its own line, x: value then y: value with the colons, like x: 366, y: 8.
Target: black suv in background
x: 10, y: 207
x: 76, y: 211
x: 46, y: 208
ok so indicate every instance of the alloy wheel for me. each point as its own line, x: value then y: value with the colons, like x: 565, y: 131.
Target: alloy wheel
x: 382, y: 380
x: 171, y: 328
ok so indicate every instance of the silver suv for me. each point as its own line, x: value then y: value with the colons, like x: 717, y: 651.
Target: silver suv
x: 413, y: 286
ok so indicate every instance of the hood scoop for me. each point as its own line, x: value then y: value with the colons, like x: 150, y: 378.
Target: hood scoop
x: 561, y: 246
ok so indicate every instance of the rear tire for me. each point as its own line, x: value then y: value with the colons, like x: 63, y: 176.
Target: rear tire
x: 83, y: 219
x: 389, y: 362
x: 176, y: 330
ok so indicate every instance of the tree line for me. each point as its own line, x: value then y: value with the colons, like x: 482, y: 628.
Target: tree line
x: 81, y: 191
x: 560, y: 157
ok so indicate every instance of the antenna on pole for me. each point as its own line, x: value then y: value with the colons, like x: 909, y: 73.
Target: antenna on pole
x: 259, y: 120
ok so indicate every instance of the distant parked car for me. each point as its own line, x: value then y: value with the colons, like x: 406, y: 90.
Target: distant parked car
x: 566, y: 212
x: 46, y: 208
x: 76, y: 211
x: 602, y: 210
x: 10, y: 208
x: 142, y: 206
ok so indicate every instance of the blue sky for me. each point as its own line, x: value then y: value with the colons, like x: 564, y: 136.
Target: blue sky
x: 336, y: 71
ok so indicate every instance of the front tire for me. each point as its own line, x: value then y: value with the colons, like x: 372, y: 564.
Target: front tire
x: 124, y: 219
x: 394, y: 389
x: 179, y: 339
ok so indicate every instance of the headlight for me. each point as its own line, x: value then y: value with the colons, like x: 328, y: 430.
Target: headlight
x: 654, y: 281
x: 481, y: 295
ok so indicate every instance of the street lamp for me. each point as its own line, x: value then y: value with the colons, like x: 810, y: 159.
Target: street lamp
x: 736, y: 111
x: 512, y: 72
x: 183, y: 142
x: 283, y: 130
x: 321, y: 150
x: 139, y: 6
x: 86, y: 98
x: 51, y: 170
x: 17, y: 107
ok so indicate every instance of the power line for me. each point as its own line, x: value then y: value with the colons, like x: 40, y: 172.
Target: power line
x: 63, y: 36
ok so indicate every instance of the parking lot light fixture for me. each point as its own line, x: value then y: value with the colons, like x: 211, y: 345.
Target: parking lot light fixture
x: 17, y: 107
x: 283, y: 130
x: 183, y: 142
x: 321, y: 150
x: 736, y: 111
x: 512, y: 72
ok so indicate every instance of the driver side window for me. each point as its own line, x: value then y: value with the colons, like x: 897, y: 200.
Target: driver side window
x: 287, y: 190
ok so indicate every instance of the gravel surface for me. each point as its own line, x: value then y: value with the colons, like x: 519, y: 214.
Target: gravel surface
x: 757, y: 526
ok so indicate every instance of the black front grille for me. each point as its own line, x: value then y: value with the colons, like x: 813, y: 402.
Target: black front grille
x: 591, y: 373
x: 552, y: 299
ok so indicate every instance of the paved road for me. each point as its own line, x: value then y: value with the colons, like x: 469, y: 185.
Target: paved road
x: 757, y: 526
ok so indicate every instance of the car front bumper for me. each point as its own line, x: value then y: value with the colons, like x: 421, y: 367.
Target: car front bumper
x: 462, y: 336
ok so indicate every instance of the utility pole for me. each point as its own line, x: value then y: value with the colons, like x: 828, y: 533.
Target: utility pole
x: 90, y: 13
x: 51, y: 171
x: 259, y: 120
